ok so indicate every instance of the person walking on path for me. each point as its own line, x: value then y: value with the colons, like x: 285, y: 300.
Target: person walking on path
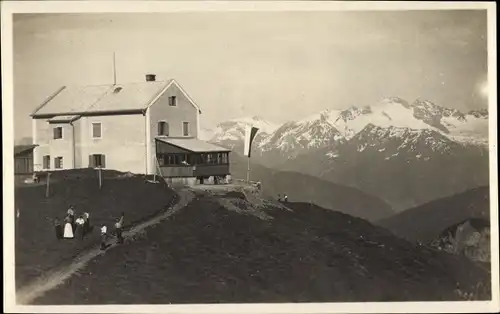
x: 118, y: 228
x: 104, y: 236
x: 86, y: 226
x: 58, y: 229
x: 71, y: 215
x: 68, y: 228
x: 79, y: 230
x: 285, y: 198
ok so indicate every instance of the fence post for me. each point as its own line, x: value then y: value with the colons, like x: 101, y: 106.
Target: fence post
x: 47, y: 191
x: 100, y: 177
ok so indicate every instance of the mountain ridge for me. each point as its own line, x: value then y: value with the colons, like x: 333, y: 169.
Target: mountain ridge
x: 443, y: 149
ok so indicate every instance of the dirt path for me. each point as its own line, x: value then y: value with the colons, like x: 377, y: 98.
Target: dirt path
x: 27, y: 294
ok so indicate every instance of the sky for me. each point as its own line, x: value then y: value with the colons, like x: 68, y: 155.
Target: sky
x: 280, y: 66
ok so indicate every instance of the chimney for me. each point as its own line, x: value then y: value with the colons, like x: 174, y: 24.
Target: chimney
x: 150, y: 77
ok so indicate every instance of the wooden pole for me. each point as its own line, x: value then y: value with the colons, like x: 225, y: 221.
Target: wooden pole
x: 248, y: 170
x: 100, y: 178
x: 47, y: 191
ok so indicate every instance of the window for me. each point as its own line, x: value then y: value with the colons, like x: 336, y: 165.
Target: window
x: 57, y: 132
x: 58, y: 162
x: 175, y: 159
x: 172, y: 101
x: 162, y: 128
x: 185, y: 128
x: 96, y: 130
x: 46, y: 162
x: 97, y: 161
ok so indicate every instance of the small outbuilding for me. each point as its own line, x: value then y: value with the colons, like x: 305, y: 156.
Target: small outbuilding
x: 23, y: 159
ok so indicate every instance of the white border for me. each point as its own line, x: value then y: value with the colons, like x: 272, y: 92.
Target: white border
x: 9, y: 7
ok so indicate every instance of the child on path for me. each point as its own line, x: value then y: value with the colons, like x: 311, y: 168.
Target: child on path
x: 104, y: 236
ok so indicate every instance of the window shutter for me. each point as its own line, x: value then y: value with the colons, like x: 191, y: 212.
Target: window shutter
x: 166, y: 131
x: 103, y: 161
x: 55, y: 133
x: 91, y: 161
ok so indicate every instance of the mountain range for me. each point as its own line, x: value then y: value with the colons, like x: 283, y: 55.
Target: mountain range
x: 405, y: 153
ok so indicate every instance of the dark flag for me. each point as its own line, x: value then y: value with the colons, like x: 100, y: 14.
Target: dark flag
x: 250, y: 133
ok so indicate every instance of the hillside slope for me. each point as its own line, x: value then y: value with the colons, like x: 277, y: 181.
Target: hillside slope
x: 426, y: 222
x: 304, y: 188
x: 37, y: 248
x: 212, y: 253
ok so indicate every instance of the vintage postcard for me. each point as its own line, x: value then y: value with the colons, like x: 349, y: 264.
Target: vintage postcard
x: 250, y: 157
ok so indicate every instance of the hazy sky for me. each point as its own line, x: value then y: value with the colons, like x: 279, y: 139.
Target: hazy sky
x: 278, y: 65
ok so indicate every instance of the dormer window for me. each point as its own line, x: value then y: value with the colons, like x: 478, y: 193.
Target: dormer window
x: 172, y: 101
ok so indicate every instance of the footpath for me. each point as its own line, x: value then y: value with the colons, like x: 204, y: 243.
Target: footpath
x: 28, y: 293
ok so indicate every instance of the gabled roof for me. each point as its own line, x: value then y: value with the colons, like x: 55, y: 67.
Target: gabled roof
x: 95, y: 99
x: 18, y: 149
x: 193, y: 145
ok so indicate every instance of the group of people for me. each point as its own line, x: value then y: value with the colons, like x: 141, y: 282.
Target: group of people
x: 283, y: 199
x: 73, y: 227
x: 80, y: 227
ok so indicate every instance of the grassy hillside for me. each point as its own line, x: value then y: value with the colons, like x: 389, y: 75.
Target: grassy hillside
x: 210, y: 253
x: 426, y: 222
x: 304, y: 188
x: 37, y: 248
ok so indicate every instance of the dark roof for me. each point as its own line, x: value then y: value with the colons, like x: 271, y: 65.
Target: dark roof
x: 18, y: 149
x: 193, y: 145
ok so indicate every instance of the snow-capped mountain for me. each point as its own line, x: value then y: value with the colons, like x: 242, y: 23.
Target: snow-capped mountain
x: 333, y: 127
x: 405, y: 153
x: 405, y: 167
x: 232, y: 133
x: 420, y: 115
x: 293, y: 138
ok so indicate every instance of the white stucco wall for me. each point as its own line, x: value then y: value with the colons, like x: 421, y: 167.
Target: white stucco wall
x: 122, y: 142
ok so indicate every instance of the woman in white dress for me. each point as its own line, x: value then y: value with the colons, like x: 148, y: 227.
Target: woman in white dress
x: 68, y: 229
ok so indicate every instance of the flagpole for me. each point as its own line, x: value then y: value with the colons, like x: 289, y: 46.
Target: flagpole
x: 248, y: 170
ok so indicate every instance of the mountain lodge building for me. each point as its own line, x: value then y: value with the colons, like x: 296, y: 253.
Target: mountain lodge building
x: 150, y: 127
